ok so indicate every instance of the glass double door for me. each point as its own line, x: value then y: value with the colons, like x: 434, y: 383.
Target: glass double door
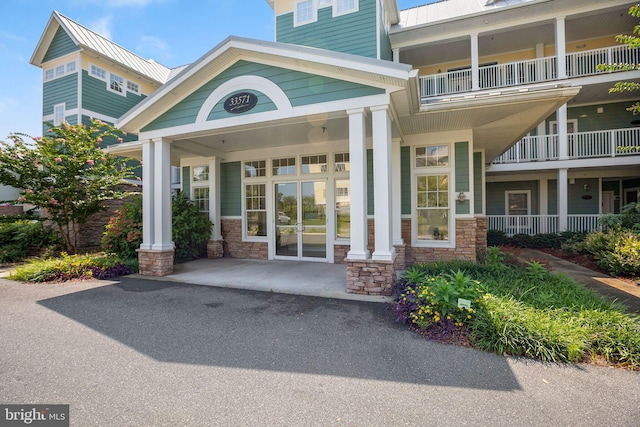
x: 301, y: 220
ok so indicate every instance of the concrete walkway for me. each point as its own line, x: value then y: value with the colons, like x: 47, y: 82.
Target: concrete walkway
x: 288, y: 277
x: 615, y: 289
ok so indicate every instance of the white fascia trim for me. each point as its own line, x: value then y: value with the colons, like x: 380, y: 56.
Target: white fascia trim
x: 267, y: 116
x: 596, y: 162
x: 249, y: 49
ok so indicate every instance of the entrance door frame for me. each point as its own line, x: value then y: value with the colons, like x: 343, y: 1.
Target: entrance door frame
x: 272, y: 217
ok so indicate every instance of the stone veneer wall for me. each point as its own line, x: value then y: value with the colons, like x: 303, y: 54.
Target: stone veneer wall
x: 155, y: 263
x: 340, y: 253
x: 482, y: 224
x: 234, y: 247
x: 11, y: 210
x: 466, y: 238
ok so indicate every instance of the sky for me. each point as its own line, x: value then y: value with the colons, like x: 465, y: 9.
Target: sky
x: 172, y: 32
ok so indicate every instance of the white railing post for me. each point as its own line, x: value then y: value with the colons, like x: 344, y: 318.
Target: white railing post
x: 614, y: 145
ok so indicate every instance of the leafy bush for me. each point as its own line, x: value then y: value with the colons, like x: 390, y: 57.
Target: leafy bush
x: 527, y: 311
x: 68, y: 267
x: 541, y: 240
x: 191, y: 230
x: 617, y: 250
x: 23, y: 238
x: 123, y: 233
x: 629, y: 218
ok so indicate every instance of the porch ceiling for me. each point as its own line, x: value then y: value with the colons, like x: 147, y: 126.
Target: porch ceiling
x: 498, y: 119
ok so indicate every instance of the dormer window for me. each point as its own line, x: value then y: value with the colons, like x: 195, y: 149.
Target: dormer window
x: 304, y: 12
x: 342, y: 7
x: 98, y: 72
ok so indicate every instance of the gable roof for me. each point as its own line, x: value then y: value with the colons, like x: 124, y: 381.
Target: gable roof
x: 372, y: 72
x: 92, y: 41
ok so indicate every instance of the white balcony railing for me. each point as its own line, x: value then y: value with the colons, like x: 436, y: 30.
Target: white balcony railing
x: 581, y: 145
x: 585, y: 63
x: 540, y: 224
x: 525, y: 72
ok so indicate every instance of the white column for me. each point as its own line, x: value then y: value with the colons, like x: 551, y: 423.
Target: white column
x: 384, y: 250
x: 563, y: 138
x: 561, y: 51
x: 358, y: 183
x: 563, y: 196
x: 475, y: 63
x: 147, y: 195
x: 162, y: 196
x: 214, y: 198
x: 396, y: 55
x: 396, y: 166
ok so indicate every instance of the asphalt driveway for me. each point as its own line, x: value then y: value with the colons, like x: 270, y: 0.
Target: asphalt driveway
x: 149, y: 353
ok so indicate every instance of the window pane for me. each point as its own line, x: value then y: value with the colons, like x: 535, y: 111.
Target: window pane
x: 433, y: 224
x: 304, y: 11
x: 342, y: 163
x: 117, y: 83
x: 518, y: 203
x: 256, y: 223
x: 343, y: 209
x: 201, y: 198
x: 284, y: 166
x: 200, y: 173
x: 314, y: 164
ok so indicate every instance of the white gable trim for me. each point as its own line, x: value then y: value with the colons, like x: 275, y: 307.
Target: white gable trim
x: 256, y: 83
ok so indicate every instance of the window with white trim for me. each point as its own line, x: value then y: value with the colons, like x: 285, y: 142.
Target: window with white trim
x: 432, y: 206
x: 341, y: 162
x: 98, y: 72
x: 314, y: 164
x: 58, y: 114
x: 432, y: 155
x: 342, y: 7
x: 255, y: 210
x: 133, y: 87
x: 304, y: 12
x: 116, y: 83
x: 48, y: 74
x: 256, y: 168
x: 518, y: 202
x: 286, y: 166
x: 60, y: 71
x: 71, y: 67
x: 201, y: 198
x: 200, y: 173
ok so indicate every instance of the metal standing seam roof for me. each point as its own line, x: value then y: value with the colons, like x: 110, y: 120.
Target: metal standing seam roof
x: 103, y: 46
x: 449, y: 9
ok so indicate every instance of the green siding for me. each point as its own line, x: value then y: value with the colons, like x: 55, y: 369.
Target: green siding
x: 300, y: 88
x: 186, y: 180
x: 86, y: 120
x: 97, y: 98
x: 405, y: 179
x: 64, y: 89
x: 264, y: 104
x: 496, y: 195
x: 61, y: 45
x: 477, y: 183
x: 578, y: 205
x: 230, y: 189
x: 552, y: 191
x: 370, y: 188
x: 462, y: 175
x: 614, y: 116
x: 353, y: 33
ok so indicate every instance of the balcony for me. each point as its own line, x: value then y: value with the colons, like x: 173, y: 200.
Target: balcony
x: 581, y: 145
x: 578, y: 64
x: 540, y: 224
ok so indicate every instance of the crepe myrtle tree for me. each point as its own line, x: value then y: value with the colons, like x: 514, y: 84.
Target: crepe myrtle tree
x: 66, y: 172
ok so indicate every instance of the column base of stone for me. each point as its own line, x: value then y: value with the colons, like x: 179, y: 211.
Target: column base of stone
x: 400, y: 261
x: 368, y: 277
x: 215, y: 249
x: 155, y: 263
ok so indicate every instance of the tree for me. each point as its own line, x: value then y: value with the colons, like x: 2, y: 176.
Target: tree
x: 65, y: 173
x: 633, y: 41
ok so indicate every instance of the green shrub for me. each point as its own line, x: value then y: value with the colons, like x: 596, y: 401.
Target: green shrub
x: 67, y: 267
x: 123, y: 233
x: 23, y: 238
x: 528, y: 311
x: 191, y: 230
x: 541, y: 240
x: 629, y: 218
x: 624, y: 257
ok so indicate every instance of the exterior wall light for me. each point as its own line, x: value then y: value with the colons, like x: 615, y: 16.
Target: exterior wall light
x: 462, y: 196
